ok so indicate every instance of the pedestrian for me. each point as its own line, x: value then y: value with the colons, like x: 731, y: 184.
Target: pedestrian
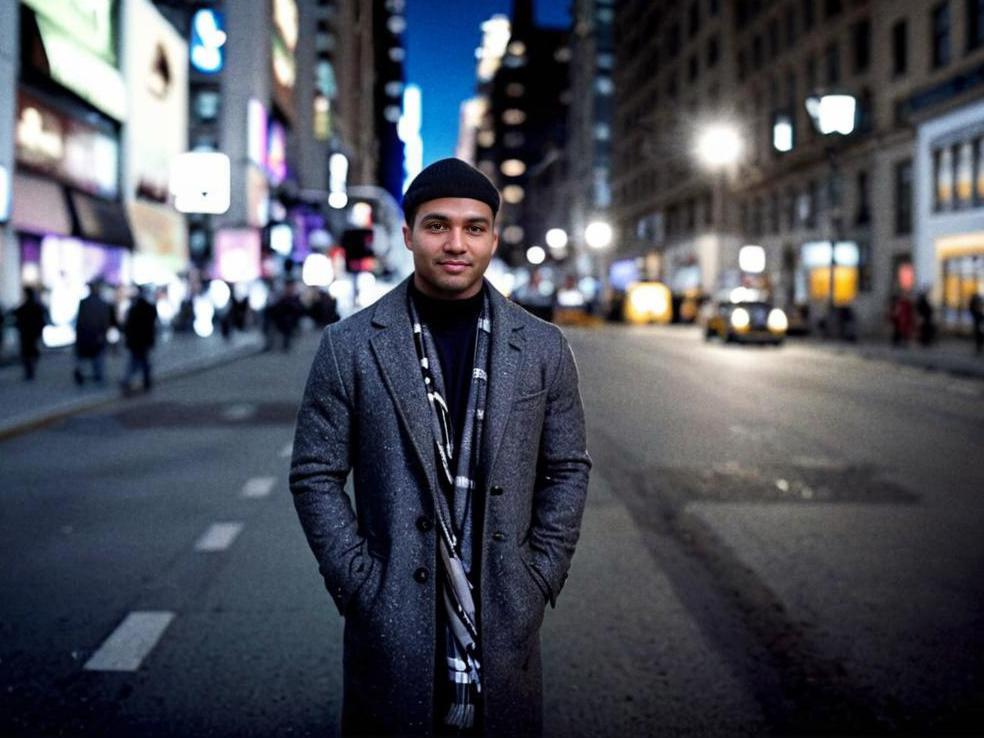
x: 95, y: 318
x: 977, y: 315
x: 458, y: 414
x: 900, y: 313
x: 30, y: 319
x: 140, y: 333
x: 286, y: 314
x: 927, y: 324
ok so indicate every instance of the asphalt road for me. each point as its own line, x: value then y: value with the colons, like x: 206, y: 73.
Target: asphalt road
x: 777, y: 541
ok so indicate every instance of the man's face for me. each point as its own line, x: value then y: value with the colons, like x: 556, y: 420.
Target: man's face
x: 452, y: 241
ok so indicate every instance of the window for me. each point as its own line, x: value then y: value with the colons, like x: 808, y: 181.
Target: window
x: 713, y: 50
x: 694, y: 25
x: 903, y: 197
x: 808, y: 209
x: 741, y: 63
x: 900, y: 48
x: 773, y: 38
x: 832, y: 59
x: 941, y: 35
x: 714, y: 7
x: 673, y: 40
x: 693, y: 67
x: 861, y: 41
x: 975, y: 23
x: 811, y: 74
x: 863, y: 214
x: 757, y: 52
x: 832, y: 8
x: 807, y: 14
x: 791, y: 25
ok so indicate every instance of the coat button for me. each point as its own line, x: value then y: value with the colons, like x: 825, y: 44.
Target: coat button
x: 498, y: 536
x: 424, y: 523
x: 496, y: 490
x: 421, y: 575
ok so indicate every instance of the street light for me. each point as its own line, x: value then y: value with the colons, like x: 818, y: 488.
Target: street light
x: 834, y: 115
x: 719, y: 145
x: 598, y: 235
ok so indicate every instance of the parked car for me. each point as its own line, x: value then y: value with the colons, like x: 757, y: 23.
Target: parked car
x: 745, y: 322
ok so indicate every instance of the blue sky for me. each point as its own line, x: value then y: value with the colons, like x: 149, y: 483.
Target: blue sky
x: 441, y: 39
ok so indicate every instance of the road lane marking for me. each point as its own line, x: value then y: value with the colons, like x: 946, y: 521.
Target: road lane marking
x: 131, y: 642
x: 259, y: 486
x: 286, y: 451
x: 241, y: 411
x: 218, y: 537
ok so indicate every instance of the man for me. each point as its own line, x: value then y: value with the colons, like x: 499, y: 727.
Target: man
x: 976, y: 307
x: 95, y: 318
x: 140, y: 332
x: 30, y: 320
x: 459, y: 415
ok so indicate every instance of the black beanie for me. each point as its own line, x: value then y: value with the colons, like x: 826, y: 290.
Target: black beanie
x: 449, y: 178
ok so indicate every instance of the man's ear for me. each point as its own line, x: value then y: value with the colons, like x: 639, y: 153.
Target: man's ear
x: 407, y: 237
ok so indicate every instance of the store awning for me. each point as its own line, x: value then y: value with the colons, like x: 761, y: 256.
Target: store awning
x: 99, y: 220
x: 39, y: 206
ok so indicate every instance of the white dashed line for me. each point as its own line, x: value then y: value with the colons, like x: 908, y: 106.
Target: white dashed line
x: 218, y: 537
x: 242, y: 411
x: 131, y: 642
x: 259, y: 486
x: 286, y: 451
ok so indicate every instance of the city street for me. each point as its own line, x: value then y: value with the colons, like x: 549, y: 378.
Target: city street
x: 778, y: 541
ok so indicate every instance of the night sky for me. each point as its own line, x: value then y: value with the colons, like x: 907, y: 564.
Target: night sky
x: 441, y: 39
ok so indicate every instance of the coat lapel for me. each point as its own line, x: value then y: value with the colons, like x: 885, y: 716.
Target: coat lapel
x: 392, y: 346
x: 505, y: 363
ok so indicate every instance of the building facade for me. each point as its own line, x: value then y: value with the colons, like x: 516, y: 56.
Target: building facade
x: 751, y: 65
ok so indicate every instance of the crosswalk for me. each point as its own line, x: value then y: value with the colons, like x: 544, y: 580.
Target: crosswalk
x: 127, y: 647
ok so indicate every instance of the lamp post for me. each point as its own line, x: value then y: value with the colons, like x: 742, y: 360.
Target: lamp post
x: 834, y: 116
x: 598, y: 236
x: 719, y: 146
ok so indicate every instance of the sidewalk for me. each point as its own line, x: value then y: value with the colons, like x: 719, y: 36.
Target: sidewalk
x: 951, y: 355
x: 53, y: 394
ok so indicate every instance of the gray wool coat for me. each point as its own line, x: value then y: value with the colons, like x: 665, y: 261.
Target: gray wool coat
x: 365, y: 410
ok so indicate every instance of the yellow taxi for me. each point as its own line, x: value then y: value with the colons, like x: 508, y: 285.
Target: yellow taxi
x: 745, y: 321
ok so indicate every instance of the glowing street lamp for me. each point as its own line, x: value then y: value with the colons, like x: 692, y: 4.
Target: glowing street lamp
x: 598, y: 235
x: 719, y: 145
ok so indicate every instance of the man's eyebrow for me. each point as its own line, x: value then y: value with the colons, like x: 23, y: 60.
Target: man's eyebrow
x: 447, y: 218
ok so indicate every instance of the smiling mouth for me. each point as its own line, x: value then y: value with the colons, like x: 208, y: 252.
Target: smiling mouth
x: 454, y: 265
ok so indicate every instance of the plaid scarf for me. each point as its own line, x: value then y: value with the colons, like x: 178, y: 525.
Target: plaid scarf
x: 455, y: 525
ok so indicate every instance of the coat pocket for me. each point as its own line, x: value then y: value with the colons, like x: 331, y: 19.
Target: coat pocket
x: 363, y: 601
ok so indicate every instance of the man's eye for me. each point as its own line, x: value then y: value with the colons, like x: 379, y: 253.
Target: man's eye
x: 476, y: 229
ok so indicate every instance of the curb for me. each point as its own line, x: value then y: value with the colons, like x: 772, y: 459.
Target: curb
x: 25, y: 424
x: 962, y: 366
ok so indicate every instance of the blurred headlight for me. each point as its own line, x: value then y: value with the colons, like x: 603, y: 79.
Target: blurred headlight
x: 777, y: 321
x: 740, y: 319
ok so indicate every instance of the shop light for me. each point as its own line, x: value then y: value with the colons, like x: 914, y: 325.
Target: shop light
x: 751, y: 258
x: 535, y: 255
x: 556, y: 238
x: 282, y: 239
x: 317, y: 271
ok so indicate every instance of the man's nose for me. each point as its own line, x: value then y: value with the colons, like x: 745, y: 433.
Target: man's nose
x: 455, y: 241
